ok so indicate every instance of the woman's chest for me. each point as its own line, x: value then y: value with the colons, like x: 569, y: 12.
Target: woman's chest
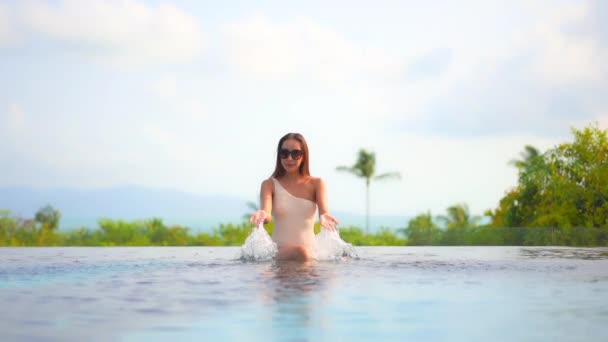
x: 304, y: 190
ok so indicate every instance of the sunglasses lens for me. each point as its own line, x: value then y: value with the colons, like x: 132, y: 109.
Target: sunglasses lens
x: 295, y: 154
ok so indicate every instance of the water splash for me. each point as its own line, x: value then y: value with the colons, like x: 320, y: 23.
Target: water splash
x: 327, y: 246
x: 258, y: 246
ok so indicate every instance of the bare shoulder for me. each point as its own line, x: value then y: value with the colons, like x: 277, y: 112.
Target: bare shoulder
x: 317, y: 182
x: 268, y: 184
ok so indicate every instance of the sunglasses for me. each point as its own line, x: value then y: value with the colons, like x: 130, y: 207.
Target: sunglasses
x: 295, y: 154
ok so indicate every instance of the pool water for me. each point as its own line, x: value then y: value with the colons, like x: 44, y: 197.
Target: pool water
x: 390, y: 293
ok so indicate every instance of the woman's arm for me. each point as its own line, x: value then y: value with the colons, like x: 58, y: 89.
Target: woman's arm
x: 325, y: 218
x: 266, y: 199
x: 265, y: 213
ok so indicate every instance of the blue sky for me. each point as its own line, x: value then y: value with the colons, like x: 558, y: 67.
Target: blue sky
x: 193, y: 95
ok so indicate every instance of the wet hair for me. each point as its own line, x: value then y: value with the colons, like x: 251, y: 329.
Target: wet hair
x: 279, y: 170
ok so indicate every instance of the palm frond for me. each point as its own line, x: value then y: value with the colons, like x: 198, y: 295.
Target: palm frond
x: 252, y: 205
x: 388, y: 175
x: 348, y: 169
x: 528, y: 155
x: 365, y: 167
x: 530, y: 152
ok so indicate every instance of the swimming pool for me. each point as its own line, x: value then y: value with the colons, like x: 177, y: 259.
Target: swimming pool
x: 390, y: 293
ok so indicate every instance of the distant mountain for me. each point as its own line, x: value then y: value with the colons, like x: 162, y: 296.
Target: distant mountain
x: 82, y: 208
x: 126, y: 202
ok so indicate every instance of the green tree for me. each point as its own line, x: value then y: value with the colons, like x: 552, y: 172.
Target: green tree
x: 156, y: 231
x: 457, y: 221
x: 578, y: 188
x: 253, y: 207
x: 567, y: 186
x: 48, y: 217
x: 365, y: 167
x: 421, y: 230
x: 528, y: 156
x: 458, y: 216
x: 519, y: 205
x: 8, y: 228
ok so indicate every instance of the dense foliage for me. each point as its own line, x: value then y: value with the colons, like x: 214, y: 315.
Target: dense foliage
x: 421, y: 230
x: 565, y: 187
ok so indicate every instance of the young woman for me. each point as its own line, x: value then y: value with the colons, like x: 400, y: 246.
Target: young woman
x: 293, y: 195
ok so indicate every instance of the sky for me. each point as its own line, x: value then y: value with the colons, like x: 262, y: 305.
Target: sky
x: 194, y: 95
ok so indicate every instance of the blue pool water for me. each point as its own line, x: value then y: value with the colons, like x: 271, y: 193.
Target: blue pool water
x: 390, y: 293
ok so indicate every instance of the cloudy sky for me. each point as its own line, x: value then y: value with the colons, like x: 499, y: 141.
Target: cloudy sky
x: 194, y: 95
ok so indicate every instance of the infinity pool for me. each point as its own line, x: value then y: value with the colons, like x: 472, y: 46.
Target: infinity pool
x: 390, y: 293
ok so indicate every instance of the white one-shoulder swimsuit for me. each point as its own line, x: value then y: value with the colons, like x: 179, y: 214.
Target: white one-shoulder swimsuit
x: 294, y: 218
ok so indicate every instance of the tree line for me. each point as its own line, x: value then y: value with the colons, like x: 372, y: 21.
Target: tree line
x: 424, y: 229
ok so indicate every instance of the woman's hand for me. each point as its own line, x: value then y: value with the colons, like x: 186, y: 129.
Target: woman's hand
x: 258, y: 217
x: 328, y: 222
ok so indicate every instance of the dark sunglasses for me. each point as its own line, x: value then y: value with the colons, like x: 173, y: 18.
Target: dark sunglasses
x: 295, y: 154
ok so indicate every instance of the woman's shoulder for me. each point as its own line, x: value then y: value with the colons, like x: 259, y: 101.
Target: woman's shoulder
x: 268, y: 183
x: 269, y: 180
x: 316, y: 181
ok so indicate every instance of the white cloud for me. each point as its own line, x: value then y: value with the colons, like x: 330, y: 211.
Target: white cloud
x: 195, y: 109
x: 122, y: 32
x: 537, y: 79
x: 178, y: 101
x: 495, y: 69
x: 566, y: 52
x: 169, y: 144
x: 165, y: 87
x: 7, y: 29
x: 15, y: 117
x: 298, y: 49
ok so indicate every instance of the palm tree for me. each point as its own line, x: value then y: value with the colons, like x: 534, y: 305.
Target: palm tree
x: 48, y: 217
x: 457, y: 221
x: 459, y: 217
x: 365, y: 167
x: 421, y: 230
x: 532, y: 166
x: 253, y: 207
x: 528, y: 155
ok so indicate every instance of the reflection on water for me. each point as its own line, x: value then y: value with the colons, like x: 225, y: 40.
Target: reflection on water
x: 564, y: 253
x: 296, y: 290
x: 293, y: 277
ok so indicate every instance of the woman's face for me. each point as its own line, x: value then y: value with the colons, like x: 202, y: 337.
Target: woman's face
x: 290, y: 164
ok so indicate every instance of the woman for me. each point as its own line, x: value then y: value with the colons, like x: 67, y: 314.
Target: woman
x: 293, y: 195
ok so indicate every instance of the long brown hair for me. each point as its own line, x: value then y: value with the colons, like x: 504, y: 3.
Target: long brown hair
x: 279, y: 170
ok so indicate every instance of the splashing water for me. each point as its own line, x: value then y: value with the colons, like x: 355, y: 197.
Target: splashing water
x: 328, y: 246
x: 258, y: 246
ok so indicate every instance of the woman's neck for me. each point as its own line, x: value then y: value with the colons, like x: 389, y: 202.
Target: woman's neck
x: 292, y: 176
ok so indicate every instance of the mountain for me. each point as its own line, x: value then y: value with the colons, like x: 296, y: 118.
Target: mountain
x: 126, y: 202
x: 82, y: 208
